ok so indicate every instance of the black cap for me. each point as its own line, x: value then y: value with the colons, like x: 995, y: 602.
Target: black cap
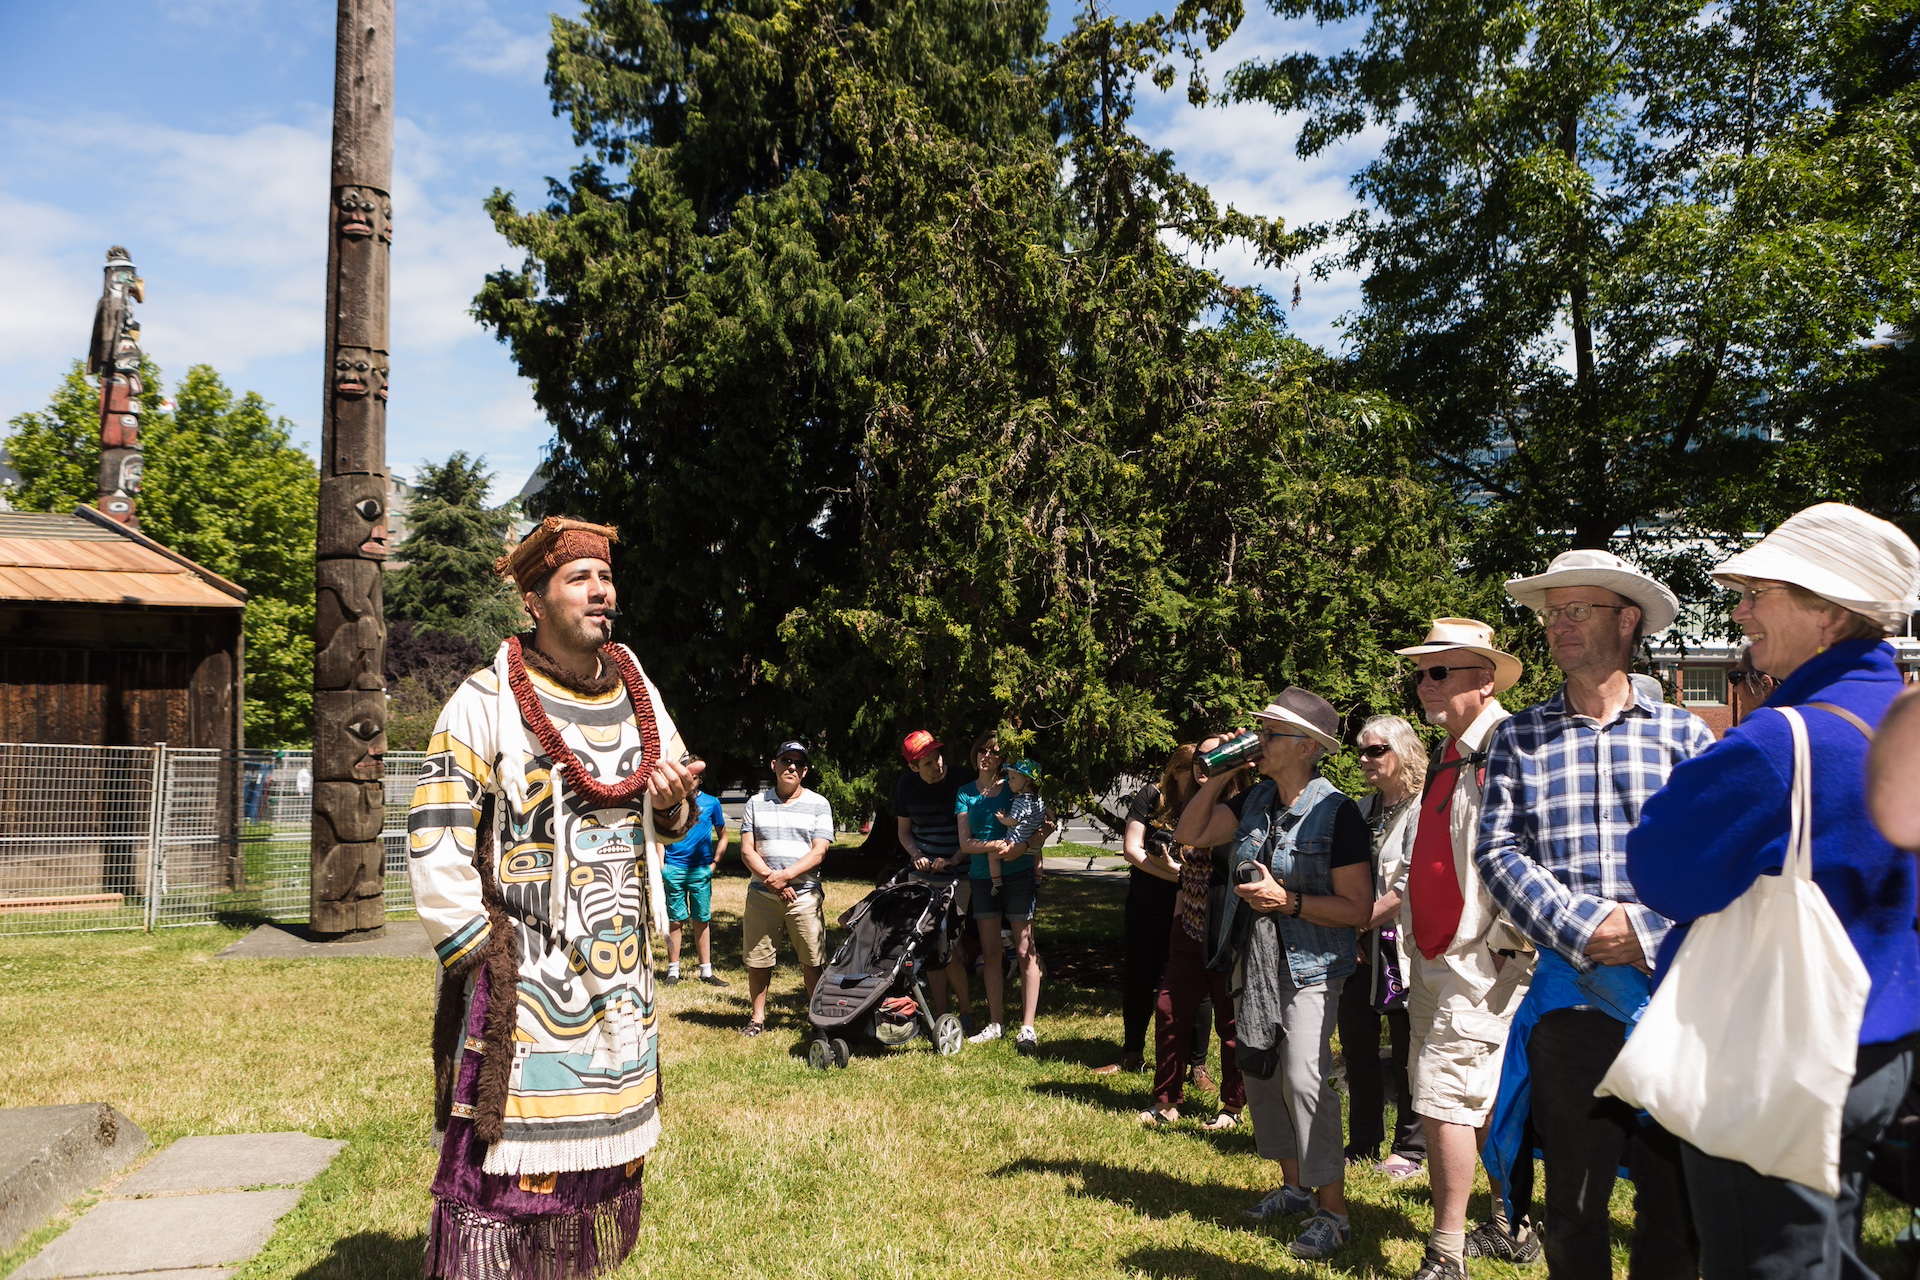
x: 795, y: 745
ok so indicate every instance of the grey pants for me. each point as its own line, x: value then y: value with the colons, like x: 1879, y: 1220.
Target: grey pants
x: 1297, y: 1107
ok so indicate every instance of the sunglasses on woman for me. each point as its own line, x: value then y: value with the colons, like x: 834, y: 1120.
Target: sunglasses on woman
x: 1375, y: 751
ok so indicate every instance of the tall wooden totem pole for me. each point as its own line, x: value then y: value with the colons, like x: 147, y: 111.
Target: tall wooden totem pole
x: 114, y: 357
x: 349, y: 678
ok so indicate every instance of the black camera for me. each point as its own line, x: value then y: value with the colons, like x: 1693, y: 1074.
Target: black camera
x: 1246, y: 873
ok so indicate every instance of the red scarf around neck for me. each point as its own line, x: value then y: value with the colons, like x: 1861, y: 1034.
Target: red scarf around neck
x: 601, y: 796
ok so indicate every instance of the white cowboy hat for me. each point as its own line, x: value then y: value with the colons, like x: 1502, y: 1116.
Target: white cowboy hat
x: 1451, y: 634
x: 1300, y: 709
x: 1840, y: 553
x: 1658, y: 606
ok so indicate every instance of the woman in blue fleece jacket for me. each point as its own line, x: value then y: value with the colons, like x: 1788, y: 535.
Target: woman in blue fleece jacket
x: 1817, y: 595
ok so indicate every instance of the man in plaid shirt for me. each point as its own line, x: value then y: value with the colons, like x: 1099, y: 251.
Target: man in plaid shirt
x: 1565, y: 784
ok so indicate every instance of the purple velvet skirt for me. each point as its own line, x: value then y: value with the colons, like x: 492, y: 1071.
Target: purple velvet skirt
x: 490, y: 1226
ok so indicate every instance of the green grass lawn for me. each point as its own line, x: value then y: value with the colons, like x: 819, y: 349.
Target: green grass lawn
x: 905, y: 1164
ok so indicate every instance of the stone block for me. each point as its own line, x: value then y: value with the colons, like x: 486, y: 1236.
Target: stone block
x: 49, y: 1155
x: 164, y: 1233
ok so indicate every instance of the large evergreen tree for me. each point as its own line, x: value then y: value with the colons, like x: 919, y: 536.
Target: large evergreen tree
x: 446, y: 581
x: 877, y: 353
x: 225, y: 487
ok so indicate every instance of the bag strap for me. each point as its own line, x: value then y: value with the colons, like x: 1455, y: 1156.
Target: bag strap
x: 1846, y: 715
x: 1799, y: 861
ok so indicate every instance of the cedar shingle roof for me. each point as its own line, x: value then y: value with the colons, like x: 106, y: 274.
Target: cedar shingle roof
x: 86, y: 558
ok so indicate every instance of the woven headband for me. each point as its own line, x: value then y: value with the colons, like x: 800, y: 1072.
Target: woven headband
x: 556, y: 541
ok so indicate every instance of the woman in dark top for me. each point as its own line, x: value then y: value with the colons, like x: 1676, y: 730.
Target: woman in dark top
x: 1192, y: 995
x: 1147, y: 844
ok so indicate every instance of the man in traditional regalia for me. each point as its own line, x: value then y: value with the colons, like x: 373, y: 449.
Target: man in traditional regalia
x: 552, y: 780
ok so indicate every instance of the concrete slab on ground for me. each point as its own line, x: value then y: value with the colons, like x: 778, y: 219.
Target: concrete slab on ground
x: 184, y: 1273
x: 404, y: 939
x: 232, y: 1161
x: 49, y: 1155
x: 221, y: 1228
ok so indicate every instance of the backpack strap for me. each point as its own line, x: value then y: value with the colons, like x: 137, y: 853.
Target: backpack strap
x: 1848, y: 716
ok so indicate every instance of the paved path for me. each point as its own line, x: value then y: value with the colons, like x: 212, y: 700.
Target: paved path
x: 195, y: 1212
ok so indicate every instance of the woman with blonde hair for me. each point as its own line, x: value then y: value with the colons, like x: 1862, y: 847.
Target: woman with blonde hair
x: 1395, y: 765
x: 1817, y: 597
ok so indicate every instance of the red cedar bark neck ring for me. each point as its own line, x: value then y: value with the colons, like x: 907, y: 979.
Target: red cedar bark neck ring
x: 579, y: 781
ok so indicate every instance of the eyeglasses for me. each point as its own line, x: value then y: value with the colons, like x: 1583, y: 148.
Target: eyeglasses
x: 1375, y: 750
x: 1437, y: 674
x: 1747, y: 596
x: 788, y: 762
x: 1751, y: 679
x: 1578, y: 611
x: 1271, y: 734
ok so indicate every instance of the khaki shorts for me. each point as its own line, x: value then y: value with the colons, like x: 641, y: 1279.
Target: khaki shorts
x: 1458, y: 1012
x: 806, y: 924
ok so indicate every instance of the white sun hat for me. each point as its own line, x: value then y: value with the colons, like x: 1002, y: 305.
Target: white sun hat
x: 1841, y: 554
x: 1448, y: 635
x: 1658, y: 606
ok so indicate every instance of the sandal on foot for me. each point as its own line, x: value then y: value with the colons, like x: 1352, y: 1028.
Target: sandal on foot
x: 1129, y: 1062
x: 1398, y: 1167
x: 1222, y: 1122
x: 1158, y: 1119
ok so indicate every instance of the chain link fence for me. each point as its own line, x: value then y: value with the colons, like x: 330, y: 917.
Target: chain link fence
x: 146, y: 837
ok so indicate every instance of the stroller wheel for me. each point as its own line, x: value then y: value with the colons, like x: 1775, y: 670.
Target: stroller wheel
x: 820, y: 1055
x: 842, y: 1053
x: 948, y: 1035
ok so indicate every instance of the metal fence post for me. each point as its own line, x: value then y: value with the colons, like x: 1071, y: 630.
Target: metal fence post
x: 156, y: 831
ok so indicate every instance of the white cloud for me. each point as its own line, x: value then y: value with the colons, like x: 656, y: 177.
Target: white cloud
x: 489, y: 46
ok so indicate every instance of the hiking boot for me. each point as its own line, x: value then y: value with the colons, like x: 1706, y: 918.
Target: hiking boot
x: 1282, y: 1202
x: 1491, y: 1240
x: 986, y: 1035
x: 1325, y: 1236
x: 1438, y: 1266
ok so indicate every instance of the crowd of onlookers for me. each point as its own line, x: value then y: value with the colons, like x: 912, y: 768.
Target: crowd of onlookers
x: 1506, y: 898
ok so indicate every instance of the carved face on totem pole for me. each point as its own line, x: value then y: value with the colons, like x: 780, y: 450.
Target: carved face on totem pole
x: 365, y: 213
x: 358, y: 372
x: 357, y: 733
x: 353, y: 519
x: 133, y: 470
x: 348, y: 616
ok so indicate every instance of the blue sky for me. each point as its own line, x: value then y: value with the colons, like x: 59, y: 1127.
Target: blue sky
x: 196, y: 133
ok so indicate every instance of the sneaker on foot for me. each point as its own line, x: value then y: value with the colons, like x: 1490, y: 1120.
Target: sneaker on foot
x: 714, y: 980
x: 988, y: 1033
x: 1325, y: 1236
x: 1027, y: 1042
x: 1491, y: 1240
x: 669, y: 979
x: 1282, y: 1202
x: 1438, y: 1266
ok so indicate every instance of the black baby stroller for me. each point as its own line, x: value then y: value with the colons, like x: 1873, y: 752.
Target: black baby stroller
x: 876, y: 983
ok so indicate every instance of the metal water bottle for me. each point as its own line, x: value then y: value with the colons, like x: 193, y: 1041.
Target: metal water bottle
x: 1234, y: 752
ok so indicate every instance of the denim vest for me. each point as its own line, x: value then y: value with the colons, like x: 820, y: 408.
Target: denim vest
x: 1299, y: 853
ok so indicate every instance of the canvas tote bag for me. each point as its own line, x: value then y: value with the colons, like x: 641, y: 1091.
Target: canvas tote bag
x: 1747, y: 1048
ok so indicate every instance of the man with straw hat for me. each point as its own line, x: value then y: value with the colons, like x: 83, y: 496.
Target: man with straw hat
x: 550, y: 780
x: 1565, y: 783
x: 1466, y: 967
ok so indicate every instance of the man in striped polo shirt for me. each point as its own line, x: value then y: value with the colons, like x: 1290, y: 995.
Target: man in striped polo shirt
x: 784, y: 835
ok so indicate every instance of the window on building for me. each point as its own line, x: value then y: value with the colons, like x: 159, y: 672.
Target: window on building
x: 1704, y: 686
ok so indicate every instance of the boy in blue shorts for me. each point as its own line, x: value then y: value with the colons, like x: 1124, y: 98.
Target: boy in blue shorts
x: 687, y: 867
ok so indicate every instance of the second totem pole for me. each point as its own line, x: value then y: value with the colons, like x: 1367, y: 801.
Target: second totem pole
x: 349, y: 677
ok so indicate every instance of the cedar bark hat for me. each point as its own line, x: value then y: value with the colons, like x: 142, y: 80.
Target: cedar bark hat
x: 1841, y: 554
x: 1589, y: 568
x: 1450, y: 634
x: 1303, y: 710
x: 553, y: 542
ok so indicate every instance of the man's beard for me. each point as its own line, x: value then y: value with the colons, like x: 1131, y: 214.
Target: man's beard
x: 583, y: 634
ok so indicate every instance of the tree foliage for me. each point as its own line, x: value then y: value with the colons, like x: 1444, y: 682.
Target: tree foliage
x: 1611, y: 245
x: 863, y: 324
x: 446, y: 581
x: 225, y: 487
